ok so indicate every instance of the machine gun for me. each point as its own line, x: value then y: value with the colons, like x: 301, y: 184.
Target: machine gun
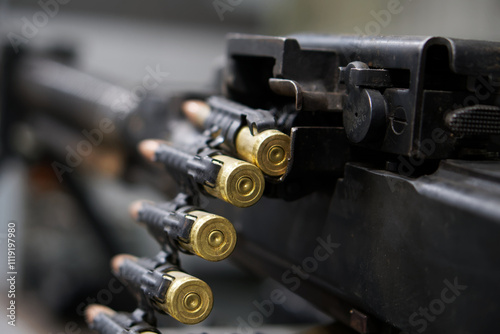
x: 377, y: 159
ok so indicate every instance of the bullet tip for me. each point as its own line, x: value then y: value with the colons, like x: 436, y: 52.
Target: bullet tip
x: 93, y: 310
x: 117, y: 261
x: 148, y: 148
x: 135, y: 208
x: 196, y: 111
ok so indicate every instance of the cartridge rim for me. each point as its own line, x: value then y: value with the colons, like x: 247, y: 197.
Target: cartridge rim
x: 274, y: 153
x: 239, y: 183
x: 188, y: 299
x: 269, y: 150
x: 212, y: 237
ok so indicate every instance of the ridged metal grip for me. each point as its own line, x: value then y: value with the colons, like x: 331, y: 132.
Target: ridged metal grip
x: 475, y: 120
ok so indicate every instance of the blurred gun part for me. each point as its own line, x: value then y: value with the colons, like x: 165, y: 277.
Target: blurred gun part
x: 106, y: 321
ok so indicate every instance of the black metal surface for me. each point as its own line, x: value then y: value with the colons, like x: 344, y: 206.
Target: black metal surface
x: 413, y: 68
x: 402, y: 240
x: 399, y: 240
x: 364, y: 109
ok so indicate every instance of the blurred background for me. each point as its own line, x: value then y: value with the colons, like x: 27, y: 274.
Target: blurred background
x: 63, y: 263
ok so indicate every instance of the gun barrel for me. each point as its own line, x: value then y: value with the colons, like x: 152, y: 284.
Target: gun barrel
x: 70, y: 94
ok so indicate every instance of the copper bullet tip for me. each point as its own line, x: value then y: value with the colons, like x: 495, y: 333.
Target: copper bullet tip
x: 196, y: 111
x: 135, y: 208
x: 148, y: 149
x: 117, y: 261
x: 94, y: 310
